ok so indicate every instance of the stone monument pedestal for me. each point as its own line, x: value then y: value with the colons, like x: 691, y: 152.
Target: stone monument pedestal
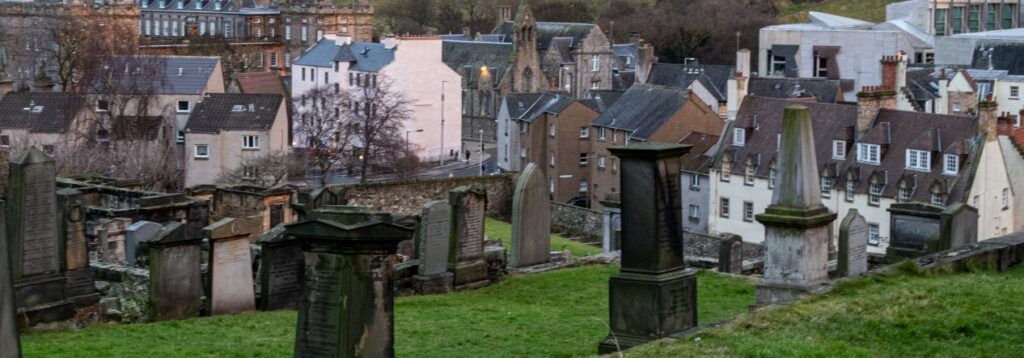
x: 635, y: 299
x: 433, y: 284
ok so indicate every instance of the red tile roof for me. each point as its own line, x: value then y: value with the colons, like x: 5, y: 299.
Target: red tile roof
x: 261, y: 83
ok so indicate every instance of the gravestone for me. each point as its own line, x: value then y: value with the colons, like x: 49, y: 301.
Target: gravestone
x: 796, y: 223
x: 853, y: 245
x: 730, y: 254
x: 466, y: 240
x: 112, y: 239
x: 918, y: 229
x: 136, y: 236
x: 231, y: 286
x: 11, y: 345
x: 611, y: 239
x: 348, y: 300
x: 80, y: 284
x: 654, y: 295
x: 38, y: 256
x: 175, y: 279
x: 531, y: 219
x: 282, y: 270
x: 432, y: 235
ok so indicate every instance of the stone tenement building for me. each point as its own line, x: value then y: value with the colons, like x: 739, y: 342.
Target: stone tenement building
x: 27, y: 28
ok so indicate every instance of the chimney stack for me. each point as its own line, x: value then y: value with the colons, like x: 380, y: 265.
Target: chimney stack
x: 1005, y: 124
x: 870, y: 101
x: 988, y: 120
x: 739, y: 84
x: 889, y: 69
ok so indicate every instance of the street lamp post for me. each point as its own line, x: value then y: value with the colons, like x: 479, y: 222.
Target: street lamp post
x: 443, y: 83
x: 481, y: 152
x: 407, y: 140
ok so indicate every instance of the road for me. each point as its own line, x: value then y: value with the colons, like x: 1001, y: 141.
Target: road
x: 433, y: 171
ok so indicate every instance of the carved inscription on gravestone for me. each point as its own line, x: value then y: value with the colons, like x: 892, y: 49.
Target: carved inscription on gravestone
x: 323, y: 304
x: 471, y: 246
x: 286, y: 266
x: 433, y: 240
x: 853, y: 242
x: 39, y: 221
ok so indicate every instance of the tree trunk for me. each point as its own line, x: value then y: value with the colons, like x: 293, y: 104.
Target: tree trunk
x: 365, y: 161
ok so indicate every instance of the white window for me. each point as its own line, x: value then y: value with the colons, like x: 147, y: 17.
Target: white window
x: 903, y: 194
x: 873, y: 234
x: 937, y: 199
x: 739, y: 137
x: 874, y: 194
x: 951, y: 164
x: 259, y: 61
x: 771, y: 178
x: 778, y: 65
x: 850, y: 187
x: 748, y: 175
x: 250, y: 172
x: 180, y: 137
x: 551, y: 184
x: 595, y: 85
x: 273, y: 59
x: 723, y: 207
x: 595, y: 63
x: 821, y: 67
x: 601, y: 133
x: 551, y: 130
x: 584, y: 159
x: 184, y: 106
x: 258, y: 32
x: 202, y: 27
x: 839, y: 149
x: 228, y: 31
x: 726, y: 171
x: 213, y: 28
x: 868, y: 153
x: 288, y: 32
x: 694, y: 180
x: 956, y: 106
x: 1014, y: 92
x: 304, y: 33
x: 826, y: 187
x: 102, y: 105
x: 522, y: 152
x: 551, y: 159
x: 694, y: 212
x: 919, y: 160
x: 1006, y: 198
x: 600, y: 161
x: 287, y: 59
x: 584, y: 132
x: 615, y: 136
x: 748, y: 211
x: 202, y: 151
x: 583, y: 186
x: 251, y: 142
x: 149, y: 26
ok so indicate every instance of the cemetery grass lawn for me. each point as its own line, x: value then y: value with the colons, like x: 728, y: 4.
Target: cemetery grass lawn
x: 562, y: 313
x: 961, y: 315
x: 497, y: 229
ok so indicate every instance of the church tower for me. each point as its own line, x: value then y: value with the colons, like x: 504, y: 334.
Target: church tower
x: 527, y: 76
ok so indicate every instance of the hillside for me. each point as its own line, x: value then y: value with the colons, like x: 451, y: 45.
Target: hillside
x: 867, y: 10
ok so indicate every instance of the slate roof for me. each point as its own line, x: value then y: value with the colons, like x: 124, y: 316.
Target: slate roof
x: 683, y: 75
x: 825, y: 90
x: 39, y: 112
x: 1004, y: 56
x: 922, y: 85
x: 528, y: 107
x: 231, y: 111
x: 894, y: 130
x: 261, y: 83
x: 469, y: 57
x: 546, y: 31
x: 701, y: 155
x: 160, y: 74
x: 362, y: 56
x: 627, y: 50
x: 643, y: 109
x: 564, y: 47
x: 601, y: 100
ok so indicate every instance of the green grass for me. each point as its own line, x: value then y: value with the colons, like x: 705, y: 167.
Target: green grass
x: 867, y: 10
x: 502, y: 230
x: 963, y: 315
x: 561, y: 314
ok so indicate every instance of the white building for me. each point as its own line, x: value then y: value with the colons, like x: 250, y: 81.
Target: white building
x: 414, y: 68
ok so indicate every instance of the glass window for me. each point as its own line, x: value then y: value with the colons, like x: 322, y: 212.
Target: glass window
x: 850, y: 190
x: 748, y: 175
x: 951, y: 164
x: 583, y: 186
x: 584, y: 132
x: 1006, y: 198
x: 919, y: 160
x: 202, y: 151
x: 873, y: 234
x: 595, y: 63
x: 826, y: 187
x: 973, y: 18
x: 1008, y: 11
x: 102, y: 105
x: 937, y: 199
x: 990, y: 17
x: 957, y: 21
x: 778, y: 65
x: 601, y: 133
x: 820, y: 66
x: 771, y: 178
x: 723, y: 207
x: 940, y: 22
x: 601, y: 161
x: 250, y: 142
x: 739, y: 136
x: 874, y: 194
x: 903, y: 194
x: 748, y: 211
x: 694, y: 212
x: 1014, y: 92
x: 551, y: 130
x: 694, y: 179
x: 184, y: 106
x: 584, y: 159
x: 726, y: 170
x: 868, y: 153
x: 551, y: 159
x: 838, y: 149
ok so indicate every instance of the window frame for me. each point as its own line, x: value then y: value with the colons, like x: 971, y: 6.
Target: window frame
x: 188, y: 107
x: 826, y: 186
x: 739, y: 137
x: 874, y: 196
x: 694, y: 180
x: 205, y: 155
x: 919, y: 160
x: 584, y: 132
x: 584, y: 159
x: 874, y: 234
x: 950, y: 164
x: 251, y: 142
x: 694, y: 211
x: 839, y: 149
x: 748, y: 211
x: 869, y: 153
x: 723, y: 207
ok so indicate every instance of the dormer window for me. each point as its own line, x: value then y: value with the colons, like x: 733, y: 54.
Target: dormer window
x: 772, y: 173
x: 851, y: 187
x: 874, y: 194
x: 739, y: 137
x: 238, y: 108
x: 938, y: 199
x: 951, y: 164
x: 826, y: 187
x: 919, y: 160
x: 748, y: 175
x: 868, y: 153
x: 903, y: 194
x: 163, y: 4
x: 181, y: 4
x: 726, y: 170
x: 839, y: 149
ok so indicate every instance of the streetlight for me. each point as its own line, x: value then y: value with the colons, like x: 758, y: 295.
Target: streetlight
x: 443, y: 83
x: 407, y: 140
x: 481, y: 152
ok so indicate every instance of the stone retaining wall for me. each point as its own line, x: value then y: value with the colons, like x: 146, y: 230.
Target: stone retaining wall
x: 408, y: 197
x: 574, y: 221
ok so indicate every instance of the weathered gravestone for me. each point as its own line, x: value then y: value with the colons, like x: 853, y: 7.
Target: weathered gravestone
x: 853, y: 245
x: 612, y: 223
x: 796, y: 223
x: 654, y: 295
x: 112, y: 234
x: 730, y: 254
x: 282, y: 270
x: 348, y: 299
x: 231, y: 286
x: 10, y: 345
x: 432, y: 249
x: 466, y: 243
x: 175, y: 279
x: 918, y: 229
x: 137, y: 235
x: 80, y: 286
x: 531, y: 219
x: 36, y: 246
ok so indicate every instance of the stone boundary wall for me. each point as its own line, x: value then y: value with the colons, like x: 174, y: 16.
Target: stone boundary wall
x: 574, y: 221
x: 697, y: 244
x: 408, y: 197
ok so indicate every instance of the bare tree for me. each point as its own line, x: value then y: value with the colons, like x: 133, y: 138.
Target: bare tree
x: 321, y: 128
x: 376, y: 114
x: 81, y: 45
x: 265, y: 171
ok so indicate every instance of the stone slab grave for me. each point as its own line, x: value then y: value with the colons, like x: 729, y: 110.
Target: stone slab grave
x: 282, y: 270
x: 80, y: 285
x: 919, y: 229
x: 9, y: 341
x: 796, y: 223
x: 175, y: 279
x: 654, y: 295
x: 531, y: 219
x: 432, y: 246
x: 348, y: 301
x: 231, y: 286
x: 37, y: 251
x: 853, y: 245
x: 136, y: 236
x: 466, y: 243
x: 730, y: 254
x: 112, y: 234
